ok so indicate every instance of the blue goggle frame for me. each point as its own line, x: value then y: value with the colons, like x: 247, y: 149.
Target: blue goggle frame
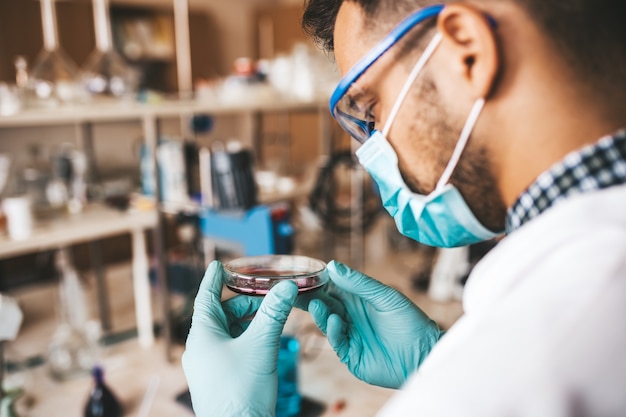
x: 349, y: 122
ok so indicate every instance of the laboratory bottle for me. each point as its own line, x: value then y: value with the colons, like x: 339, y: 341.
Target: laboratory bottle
x: 289, y: 399
x: 102, y: 402
x: 35, y: 177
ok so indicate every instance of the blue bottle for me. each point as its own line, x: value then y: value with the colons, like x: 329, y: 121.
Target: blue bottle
x: 102, y: 402
x: 289, y: 399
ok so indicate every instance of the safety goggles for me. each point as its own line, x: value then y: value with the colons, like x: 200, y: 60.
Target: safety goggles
x: 352, y: 114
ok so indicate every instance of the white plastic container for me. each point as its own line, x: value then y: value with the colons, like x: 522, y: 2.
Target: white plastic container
x: 18, y: 212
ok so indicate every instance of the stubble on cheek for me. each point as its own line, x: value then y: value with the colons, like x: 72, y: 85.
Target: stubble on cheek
x: 418, y: 167
x: 476, y: 183
x: 428, y: 140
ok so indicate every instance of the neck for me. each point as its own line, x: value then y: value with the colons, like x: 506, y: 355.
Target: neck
x: 539, y: 111
x: 538, y: 116
x: 546, y: 133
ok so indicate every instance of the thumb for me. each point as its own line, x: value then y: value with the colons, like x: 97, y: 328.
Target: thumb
x: 376, y: 293
x: 275, y: 308
x: 210, y: 290
x: 338, y: 337
x: 320, y: 314
x: 207, y: 310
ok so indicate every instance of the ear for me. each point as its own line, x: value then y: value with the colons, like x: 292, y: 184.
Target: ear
x: 470, y: 42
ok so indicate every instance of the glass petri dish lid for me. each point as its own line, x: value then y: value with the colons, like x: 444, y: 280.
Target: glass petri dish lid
x: 255, y: 275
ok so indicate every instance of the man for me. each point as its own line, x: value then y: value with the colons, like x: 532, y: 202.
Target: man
x: 476, y: 117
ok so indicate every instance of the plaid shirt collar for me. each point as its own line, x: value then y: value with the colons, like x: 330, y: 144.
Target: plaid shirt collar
x: 591, y: 168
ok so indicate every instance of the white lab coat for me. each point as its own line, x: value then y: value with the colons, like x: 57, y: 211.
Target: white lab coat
x: 544, y: 330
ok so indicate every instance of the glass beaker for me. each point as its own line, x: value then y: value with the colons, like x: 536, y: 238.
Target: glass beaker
x: 106, y: 73
x: 54, y: 78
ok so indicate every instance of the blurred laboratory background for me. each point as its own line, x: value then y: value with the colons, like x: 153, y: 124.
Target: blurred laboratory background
x: 141, y: 139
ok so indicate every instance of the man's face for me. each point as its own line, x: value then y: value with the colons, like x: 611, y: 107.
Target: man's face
x: 426, y: 129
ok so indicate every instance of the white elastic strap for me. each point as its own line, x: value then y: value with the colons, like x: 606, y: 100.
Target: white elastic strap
x: 419, y: 66
x: 460, y: 146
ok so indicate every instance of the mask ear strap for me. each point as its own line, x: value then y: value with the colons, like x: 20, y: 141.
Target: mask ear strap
x: 460, y: 146
x: 419, y: 66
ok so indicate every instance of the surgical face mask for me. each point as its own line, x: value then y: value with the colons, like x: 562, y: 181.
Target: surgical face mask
x: 441, y: 218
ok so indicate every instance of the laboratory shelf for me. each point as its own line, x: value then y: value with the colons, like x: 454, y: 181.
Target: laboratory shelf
x: 112, y: 111
x: 96, y: 221
x: 265, y: 197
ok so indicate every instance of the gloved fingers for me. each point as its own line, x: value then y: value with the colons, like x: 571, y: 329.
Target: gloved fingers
x: 303, y: 299
x: 320, y: 314
x: 337, y: 334
x: 239, y: 311
x: 237, y: 328
x: 241, y: 306
x: 207, y: 312
x: 211, y: 286
x: 327, y: 295
x: 274, y: 310
x: 379, y: 295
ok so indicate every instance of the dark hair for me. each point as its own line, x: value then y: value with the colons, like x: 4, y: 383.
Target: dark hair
x: 589, y: 34
x: 319, y: 16
x: 318, y: 21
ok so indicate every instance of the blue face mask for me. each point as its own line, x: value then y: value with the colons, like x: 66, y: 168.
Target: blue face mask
x: 441, y: 218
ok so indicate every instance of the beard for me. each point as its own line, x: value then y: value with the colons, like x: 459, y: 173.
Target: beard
x: 438, y: 133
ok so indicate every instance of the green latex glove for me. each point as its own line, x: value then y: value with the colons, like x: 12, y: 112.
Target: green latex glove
x: 230, y: 362
x: 375, y: 330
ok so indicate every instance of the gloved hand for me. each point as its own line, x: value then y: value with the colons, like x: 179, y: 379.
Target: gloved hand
x: 375, y: 330
x: 230, y: 362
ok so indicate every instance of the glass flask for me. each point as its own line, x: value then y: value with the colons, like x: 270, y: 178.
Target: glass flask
x: 106, y: 73
x: 73, y: 349
x: 54, y: 78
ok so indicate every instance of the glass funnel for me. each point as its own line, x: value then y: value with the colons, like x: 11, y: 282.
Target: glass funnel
x: 54, y: 78
x: 105, y: 73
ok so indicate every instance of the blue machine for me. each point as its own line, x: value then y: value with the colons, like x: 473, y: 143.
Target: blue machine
x: 261, y: 230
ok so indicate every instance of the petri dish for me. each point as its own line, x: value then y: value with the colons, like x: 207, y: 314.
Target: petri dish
x: 255, y: 275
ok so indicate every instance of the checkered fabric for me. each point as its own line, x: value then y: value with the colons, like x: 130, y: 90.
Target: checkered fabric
x: 594, y: 167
